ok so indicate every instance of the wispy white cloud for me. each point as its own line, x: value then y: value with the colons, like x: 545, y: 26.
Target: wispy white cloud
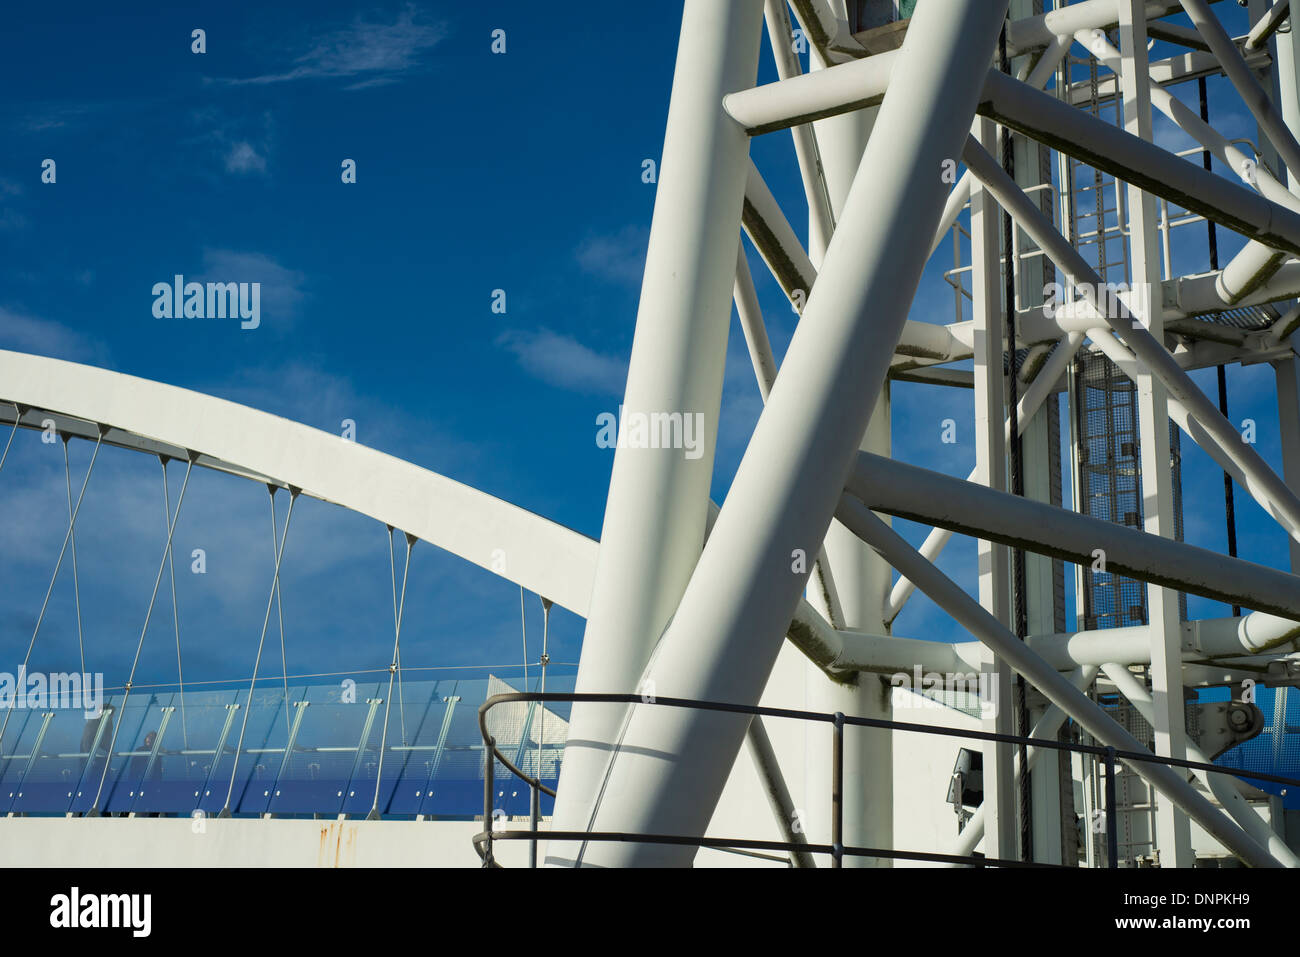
x: 371, y: 52
x: 617, y: 257
x: 26, y: 333
x: 243, y: 158
x: 243, y: 144
x: 283, y: 289
x: 564, y: 362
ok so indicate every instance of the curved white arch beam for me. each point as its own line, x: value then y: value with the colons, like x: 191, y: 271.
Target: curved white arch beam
x: 509, y: 541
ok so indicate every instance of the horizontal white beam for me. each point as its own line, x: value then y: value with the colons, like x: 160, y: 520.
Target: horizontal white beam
x: 906, y: 491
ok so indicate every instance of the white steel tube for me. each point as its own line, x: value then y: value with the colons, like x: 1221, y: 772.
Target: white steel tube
x: 920, y: 495
x: 1267, y: 25
x: 1239, y: 75
x: 779, y: 34
x: 1139, y: 162
x: 658, y: 499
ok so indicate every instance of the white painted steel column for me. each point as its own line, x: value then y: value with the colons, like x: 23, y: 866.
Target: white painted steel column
x: 1173, y: 831
x: 862, y: 581
x: 1037, y: 470
x: 671, y: 763
x: 991, y: 437
x: 1287, y: 48
x: 658, y: 498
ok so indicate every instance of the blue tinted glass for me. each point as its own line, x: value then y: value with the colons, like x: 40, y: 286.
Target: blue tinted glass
x: 323, y: 750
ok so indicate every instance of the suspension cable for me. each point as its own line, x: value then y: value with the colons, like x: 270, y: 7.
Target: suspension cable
x: 257, y: 662
x: 392, y: 672
x: 176, y: 615
x: 72, y: 521
x: 76, y: 577
x: 18, y: 414
x: 523, y: 631
x: 401, y: 696
x: 139, y: 645
x: 544, y: 661
x: 279, y: 611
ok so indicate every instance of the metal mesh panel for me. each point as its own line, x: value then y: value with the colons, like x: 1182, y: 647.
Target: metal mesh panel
x: 1109, y: 473
x: 1252, y: 318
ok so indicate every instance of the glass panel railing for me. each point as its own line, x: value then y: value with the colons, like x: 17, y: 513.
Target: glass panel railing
x: 317, y: 753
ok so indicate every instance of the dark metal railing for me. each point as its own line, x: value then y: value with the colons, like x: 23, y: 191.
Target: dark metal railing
x: 484, y: 840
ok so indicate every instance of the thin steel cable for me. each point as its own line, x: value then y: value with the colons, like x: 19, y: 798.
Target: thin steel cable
x: 392, y: 671
x: 545, y: 660
x: 523, y: 631
x: 257, y: 662
x: 176, y: 615
x: 139, y: 645
x: 57, y: 565
x: 279, y: 611
x: 401, y: 695
x: 1017, y: 475
x: 76, y: 577
x: 12, y: 432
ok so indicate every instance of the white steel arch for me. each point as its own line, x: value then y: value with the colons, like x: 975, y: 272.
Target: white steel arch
x: 520, y: 546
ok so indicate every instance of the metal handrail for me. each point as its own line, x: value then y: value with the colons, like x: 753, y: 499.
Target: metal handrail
x: 483, y: 841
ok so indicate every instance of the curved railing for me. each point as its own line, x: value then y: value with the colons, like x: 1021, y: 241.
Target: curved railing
x: 837, y: 850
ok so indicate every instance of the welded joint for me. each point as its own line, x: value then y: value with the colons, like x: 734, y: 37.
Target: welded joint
x: 827, y: 31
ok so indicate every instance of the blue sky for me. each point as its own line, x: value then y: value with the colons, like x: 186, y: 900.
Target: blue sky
x: 475, y: 172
